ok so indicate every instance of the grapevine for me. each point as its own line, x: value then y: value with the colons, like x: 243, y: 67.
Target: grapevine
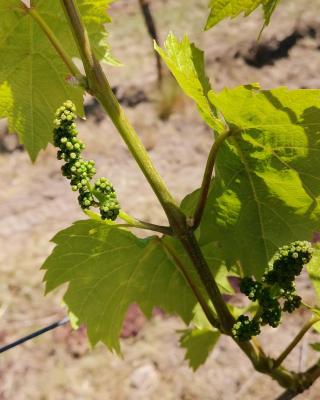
x: 257, y: 191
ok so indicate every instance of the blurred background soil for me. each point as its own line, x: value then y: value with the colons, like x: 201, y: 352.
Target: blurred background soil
x: 36, y: 202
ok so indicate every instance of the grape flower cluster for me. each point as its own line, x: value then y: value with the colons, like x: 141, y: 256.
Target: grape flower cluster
x: 80, y: 171
x: 276, y: 293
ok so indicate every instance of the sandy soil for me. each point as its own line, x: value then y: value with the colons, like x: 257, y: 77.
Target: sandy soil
x: 35, y: 202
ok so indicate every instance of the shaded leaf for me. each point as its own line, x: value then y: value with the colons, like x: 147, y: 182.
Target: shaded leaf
x: 189, y: 203
x: 315, y: 346
x: 199, y: 344
x: 199, y: 319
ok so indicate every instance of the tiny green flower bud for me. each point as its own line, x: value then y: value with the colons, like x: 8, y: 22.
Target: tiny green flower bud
x: 69, y: 145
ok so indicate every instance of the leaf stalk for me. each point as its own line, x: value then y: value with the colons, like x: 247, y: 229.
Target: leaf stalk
x: 206, y: 180
x: 135, y: 223
x: 73, y: 69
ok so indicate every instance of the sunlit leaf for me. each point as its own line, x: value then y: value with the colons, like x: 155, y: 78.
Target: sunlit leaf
x: 33, y: 79
x: 222, y: 9
x: 186, y: 62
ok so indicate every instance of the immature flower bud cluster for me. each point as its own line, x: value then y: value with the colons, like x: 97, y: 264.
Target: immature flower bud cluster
x: 277, y: 286
x: 244, y: 328
x: 288, y: 263
x: 109, y: 206
x: 80, y: 171
x: 250, y: 288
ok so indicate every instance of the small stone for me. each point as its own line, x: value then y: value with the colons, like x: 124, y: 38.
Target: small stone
x: 144, y: 377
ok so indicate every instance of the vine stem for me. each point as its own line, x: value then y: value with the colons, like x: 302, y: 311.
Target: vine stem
x: 73, y: 69
x: 226, y: 319
x: 131, y: 223
x: 295, y: 341
x: 192, y: 248
x: 206, y: 180
x: 287, y: 395
x: 307, y: 378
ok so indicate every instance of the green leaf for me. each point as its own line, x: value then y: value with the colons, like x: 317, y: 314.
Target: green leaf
x: 268, y: 8
x: 266, y: 190
x: 199, y: 319
x: 222, y: 9
x: 215, y: 259
x: 108, y: 269
x: 316, y: 313
x: 186, y: 62
x: 95, y: 17
x: 315, y: 346
x: 189, y: 203
x: 198, y: 342
x: 316, y: 327
x: 251, y: 309
x: 313, y: 269
x: 33, y: 79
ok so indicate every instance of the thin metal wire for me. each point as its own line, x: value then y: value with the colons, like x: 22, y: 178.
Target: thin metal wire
x: 33, y: 335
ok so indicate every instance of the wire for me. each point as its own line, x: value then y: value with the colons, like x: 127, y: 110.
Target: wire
x: 33, y: 335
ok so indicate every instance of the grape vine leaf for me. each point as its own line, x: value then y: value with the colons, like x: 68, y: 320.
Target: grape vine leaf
x: 266, y: 188
x: 186, y: 62
x: 95, y: 16
x: 198, y: 343
x: 315, y: 310
x: 198, y: 340
x: 107, y: 268
x: 189, y: 203
x: 33, y: 79
x: 315, y: 346
x: 222, y: 9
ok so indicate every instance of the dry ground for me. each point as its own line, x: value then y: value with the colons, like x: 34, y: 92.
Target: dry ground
x: 35, y: 202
